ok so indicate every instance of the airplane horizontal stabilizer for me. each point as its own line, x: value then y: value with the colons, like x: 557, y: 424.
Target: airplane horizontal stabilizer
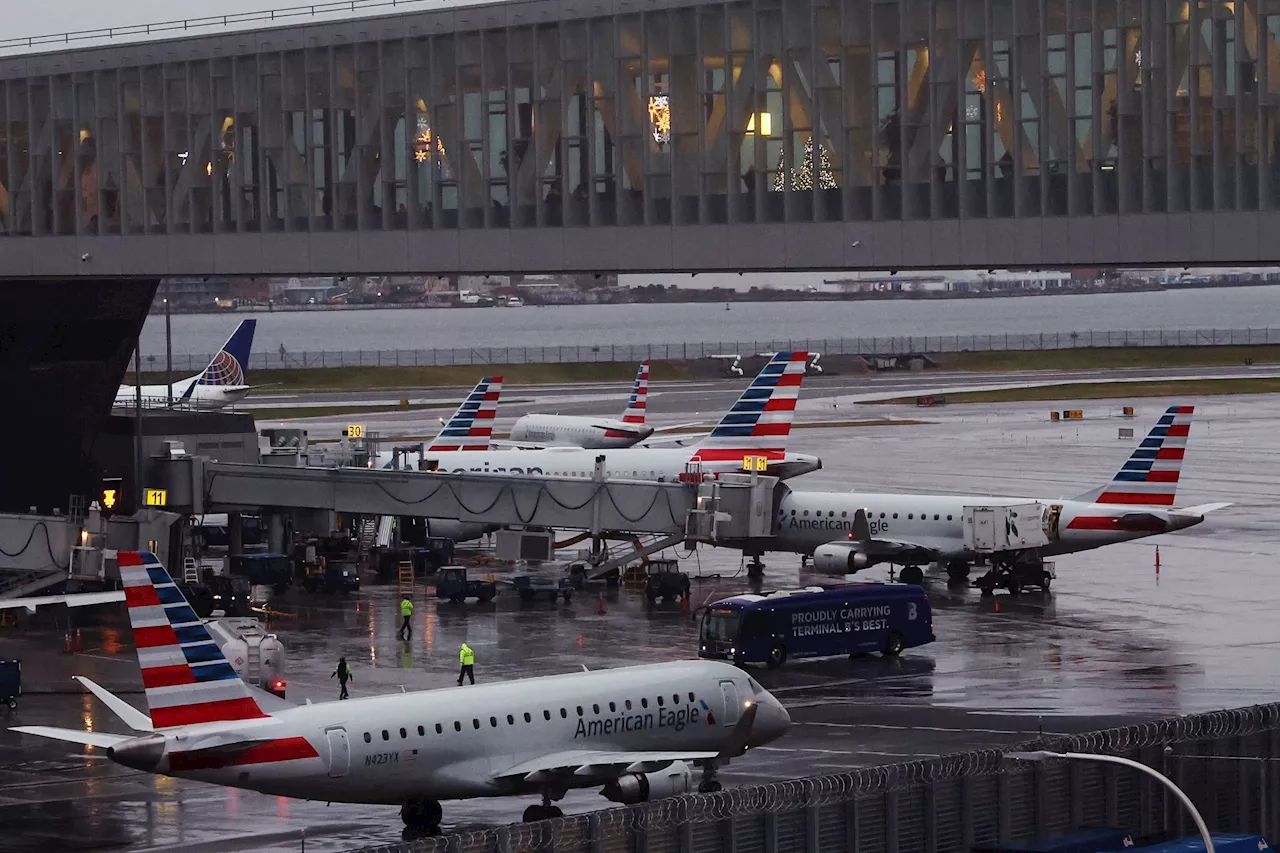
x: 129, y: 715
x: 601, y: 763
x: 1204, y: 509
x: 98, y: 739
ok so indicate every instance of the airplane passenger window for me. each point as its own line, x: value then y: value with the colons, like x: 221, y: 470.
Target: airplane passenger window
x: 911, y: 515
x: 935, y: 516
x: 527, y: 717
x: 806, y: 512
x: 895, y: 515
x: 368, y: 738
x: 948, y: 518
x: 628, y: 704
x: 882, y: 515
x: 644, y: 703
x: 457, y: 726
x: 613, y: 708
x: 421, y: 731
x: 793, y: 512
x: 403, y: 734
x: 564, y: 715
x: 475, y: 722
x: 659, y: 701
x: 493, y: 722
x: 844, y: 515
x: 546, y: 715
x: 386, y: 735
x: 690, y: 695
x: 439, y: 729
x: 579, y: 710
x: 511, y: 721
x: 675, y: 699
x: 595, y: 709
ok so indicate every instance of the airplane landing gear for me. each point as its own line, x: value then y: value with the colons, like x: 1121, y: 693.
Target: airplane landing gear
x: 710, y: 783
x: 545, y: 811
x: 755, y: 567
x: 1017, y: 574
x: 421, y: 816
x: 911, y: 575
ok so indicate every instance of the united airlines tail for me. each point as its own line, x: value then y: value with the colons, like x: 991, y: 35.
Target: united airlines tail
x: 1150, y: 477
x: 231, y: 365
x: 760, y: 422
x: 471, y: 426
x: 636, y: 406
x: 185, y: 676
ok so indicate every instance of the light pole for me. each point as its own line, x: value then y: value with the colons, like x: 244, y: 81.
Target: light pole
x: 1045, y: 755
x: 168, y: 352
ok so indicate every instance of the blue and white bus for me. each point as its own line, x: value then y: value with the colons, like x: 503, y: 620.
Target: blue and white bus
x: 816, y: 622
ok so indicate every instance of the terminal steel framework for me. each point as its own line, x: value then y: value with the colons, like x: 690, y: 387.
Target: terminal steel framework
x: 418, y: 137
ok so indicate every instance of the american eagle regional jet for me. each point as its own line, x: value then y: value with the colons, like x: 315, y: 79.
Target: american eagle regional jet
x: 631, y: 731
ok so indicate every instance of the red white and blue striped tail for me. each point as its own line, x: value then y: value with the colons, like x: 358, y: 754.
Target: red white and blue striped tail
x: 759, y: 423
x: 471, y: 426
x: 1150, y: 477
x: 636, y: 406
x: 184, y: 673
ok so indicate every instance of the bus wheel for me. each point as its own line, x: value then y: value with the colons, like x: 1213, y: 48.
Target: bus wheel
x: 895, y: 645
x: 911, y: 575
x: 777, y: 656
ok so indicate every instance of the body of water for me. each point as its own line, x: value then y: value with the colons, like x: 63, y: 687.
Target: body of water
x: 425, y: 328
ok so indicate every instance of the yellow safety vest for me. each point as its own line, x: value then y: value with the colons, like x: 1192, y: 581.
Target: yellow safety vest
x: 406, y: 607
x: 467, y: 656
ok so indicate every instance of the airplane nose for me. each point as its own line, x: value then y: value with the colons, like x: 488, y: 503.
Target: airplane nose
x: 772, y: 721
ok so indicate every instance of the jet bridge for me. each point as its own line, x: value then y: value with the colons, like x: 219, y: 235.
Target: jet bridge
x: 731, y: 507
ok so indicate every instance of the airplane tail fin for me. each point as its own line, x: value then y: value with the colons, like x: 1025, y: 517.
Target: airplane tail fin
x: 1150, y: 477
x: 471, y: 426
x: 637, y: 405
x: 185, y: 676
x: 760, y: 422
x: 231, y: 364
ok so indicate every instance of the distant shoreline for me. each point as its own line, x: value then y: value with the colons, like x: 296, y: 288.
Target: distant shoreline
x: 687, y: 297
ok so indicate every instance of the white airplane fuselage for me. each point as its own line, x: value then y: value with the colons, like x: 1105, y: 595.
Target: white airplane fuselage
x: 578, y: 431
x: 807, y: 520
x: 201, y: 397
x: 632, y: 463
x: 449, y: 744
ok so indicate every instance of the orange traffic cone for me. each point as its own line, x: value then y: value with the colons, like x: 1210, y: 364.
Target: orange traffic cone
x: 79, y: 645
x: 66, y: 642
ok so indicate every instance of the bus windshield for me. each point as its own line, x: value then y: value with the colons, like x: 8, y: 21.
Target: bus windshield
x: 721, y: 625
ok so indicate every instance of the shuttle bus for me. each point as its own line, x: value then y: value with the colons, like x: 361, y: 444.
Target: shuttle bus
x: 816, y: 622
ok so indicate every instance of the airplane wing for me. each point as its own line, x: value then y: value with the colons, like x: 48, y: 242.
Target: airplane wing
x: 684, y: 439
x: 1203, y: 509
x: 893, y: 550
x: 680, y: 426
x: 98, y: 739
x: 503, y: 444
x: 602, y: 763
x: 77, y: 599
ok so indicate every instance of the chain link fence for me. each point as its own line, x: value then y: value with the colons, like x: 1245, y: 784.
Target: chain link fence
x: 632, y: 353
x: 1226, y: 761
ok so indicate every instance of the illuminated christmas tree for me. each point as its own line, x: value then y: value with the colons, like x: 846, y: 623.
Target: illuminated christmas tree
x: 802, y: 178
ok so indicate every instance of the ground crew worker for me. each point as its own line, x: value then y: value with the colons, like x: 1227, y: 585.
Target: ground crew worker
x: 344, y: 675
x: 467, y: 658
x: 406, y: 611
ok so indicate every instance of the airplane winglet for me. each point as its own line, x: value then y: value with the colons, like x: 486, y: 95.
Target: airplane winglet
x: 131, y: 716
x: 737, y: 742
x: 861, y: 531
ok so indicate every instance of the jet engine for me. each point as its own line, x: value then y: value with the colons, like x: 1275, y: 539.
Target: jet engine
x: 840, y: 559
x: 633, y: 788
x: 458, y: 531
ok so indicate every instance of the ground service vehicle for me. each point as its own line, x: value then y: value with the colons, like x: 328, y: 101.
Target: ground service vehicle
x: 228, y: 593
x: 452, y: 583
x: 10, y: 681
x: 529, y: 587
x: 331, y: 576
x: 816, y: 622
x: 663, y: 579
x: 271, y: 570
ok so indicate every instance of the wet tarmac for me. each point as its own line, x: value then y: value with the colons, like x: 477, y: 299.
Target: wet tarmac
x: 1115, y: 642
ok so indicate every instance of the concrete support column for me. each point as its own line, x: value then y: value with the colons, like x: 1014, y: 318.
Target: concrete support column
x: 235, y: 534
x: 275, y: 533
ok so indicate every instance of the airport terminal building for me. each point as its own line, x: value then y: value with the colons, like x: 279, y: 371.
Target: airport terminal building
x: 513, y: 131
